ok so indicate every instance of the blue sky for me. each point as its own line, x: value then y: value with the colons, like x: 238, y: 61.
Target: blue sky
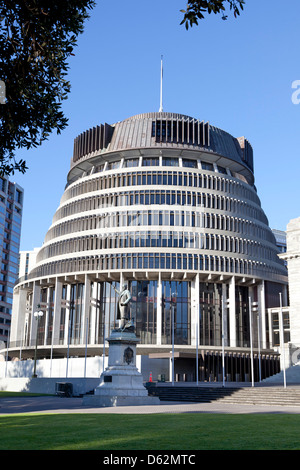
x: 236, y: 74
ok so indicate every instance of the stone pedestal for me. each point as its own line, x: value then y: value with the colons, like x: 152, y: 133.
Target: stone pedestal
x: 121, y: 384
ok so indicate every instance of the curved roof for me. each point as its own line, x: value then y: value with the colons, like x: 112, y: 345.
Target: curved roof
x: 161, y: 130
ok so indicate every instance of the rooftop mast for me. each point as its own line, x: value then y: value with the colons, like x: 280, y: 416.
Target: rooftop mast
x: 161, y: 80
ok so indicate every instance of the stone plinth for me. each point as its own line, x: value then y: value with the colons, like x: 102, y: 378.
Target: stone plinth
x: 121, y: 384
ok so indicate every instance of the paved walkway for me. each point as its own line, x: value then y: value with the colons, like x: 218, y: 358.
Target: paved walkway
x: 74, y: 405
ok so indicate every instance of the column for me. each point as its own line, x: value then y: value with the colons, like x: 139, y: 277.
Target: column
x: 232, y: 319
x: 270, y: 315
x: 67, y: 316
x: 224, y: 306
x: 18, y: 317
x: 195, y: 314
x: 121, y: 280
x: 86, y: 309
x: 93, y: 319
x: 36, y: 297
x: 261, y: 312
x: 285, y: 300
x: 252, y: 315
x: 56, y: 312
x: 47, y: 314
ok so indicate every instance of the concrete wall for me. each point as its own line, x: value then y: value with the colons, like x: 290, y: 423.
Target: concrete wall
x: 74, y: 367
x: 46, y: 385
x: 83, y: 374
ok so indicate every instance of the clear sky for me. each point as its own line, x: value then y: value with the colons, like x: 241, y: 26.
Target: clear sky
x: 236, y: 74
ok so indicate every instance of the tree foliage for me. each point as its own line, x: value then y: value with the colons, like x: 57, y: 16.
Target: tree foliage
x: 37, y: 38
x: 196, y: 9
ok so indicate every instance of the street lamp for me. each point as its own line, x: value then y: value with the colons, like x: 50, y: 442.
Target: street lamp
x: 255, y: 311
x: 225, y: 304
x: 173, y: 303
x: 37, y: 315
x: 223, y: 341
x: 253, y: 308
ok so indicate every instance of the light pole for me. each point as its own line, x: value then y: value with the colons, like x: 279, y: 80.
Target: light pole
x: 254, y: 309
x: 197, y: 343
x: 196, y: 307
x: 251, y: 341
x: 225, y: 304
x: 173, y: 334
x: 37, y: 315
x: 223, y: 342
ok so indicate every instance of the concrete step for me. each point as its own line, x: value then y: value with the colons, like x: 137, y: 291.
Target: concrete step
x: 246, y: 395
x: 292, y: 376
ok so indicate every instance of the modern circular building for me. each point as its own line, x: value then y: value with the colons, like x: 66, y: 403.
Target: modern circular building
x: 166, y: 204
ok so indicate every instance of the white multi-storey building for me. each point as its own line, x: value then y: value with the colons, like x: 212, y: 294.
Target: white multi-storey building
x: 166, y: 204
x: 292, y: 257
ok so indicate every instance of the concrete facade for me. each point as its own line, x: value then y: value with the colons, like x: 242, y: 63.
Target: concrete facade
x: 292, y: 257
x: 83, y: 373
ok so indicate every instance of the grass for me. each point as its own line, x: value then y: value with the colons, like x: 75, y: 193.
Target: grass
x: 190, y: 431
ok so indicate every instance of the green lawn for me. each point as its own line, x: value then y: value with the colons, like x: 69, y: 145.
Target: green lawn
x: 190, y: 431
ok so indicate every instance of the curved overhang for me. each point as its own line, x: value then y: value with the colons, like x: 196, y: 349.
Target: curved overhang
x: 93, y: 350
x: 160, y: 134
x: 27, y: 282
x: 85, y: 165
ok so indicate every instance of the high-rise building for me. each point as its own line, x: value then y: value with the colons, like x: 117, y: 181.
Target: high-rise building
x: 11, y: 204
x: 166, y: 204
x: 280, y: 237
x: 27, y: 260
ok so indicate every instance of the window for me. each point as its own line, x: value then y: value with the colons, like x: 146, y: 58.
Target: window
x: 189, y: 163
x: 130, y: 162
x: 221, y: 169
x: 19, y: 195
x: 113, y: 165
x: 2, y: 184
x: 207, y: 166
x: 150, y: 161
x: 170, y: 161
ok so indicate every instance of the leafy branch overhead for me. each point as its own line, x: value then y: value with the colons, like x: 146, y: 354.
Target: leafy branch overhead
x: 196, y: 9
x: 36, y: 39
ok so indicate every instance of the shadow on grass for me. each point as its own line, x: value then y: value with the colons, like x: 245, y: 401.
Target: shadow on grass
x: 149, y: 432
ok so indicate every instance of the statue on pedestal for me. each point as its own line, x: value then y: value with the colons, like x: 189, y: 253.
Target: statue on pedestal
x: 124, y: 309
x: 121, y: 383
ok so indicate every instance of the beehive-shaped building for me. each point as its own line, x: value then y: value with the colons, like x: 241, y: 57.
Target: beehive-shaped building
x: 166, y: 204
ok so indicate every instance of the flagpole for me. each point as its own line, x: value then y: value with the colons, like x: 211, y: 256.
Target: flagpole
x: 161, y: 80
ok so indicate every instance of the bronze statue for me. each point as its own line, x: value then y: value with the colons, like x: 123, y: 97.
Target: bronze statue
x: 124, y: 308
